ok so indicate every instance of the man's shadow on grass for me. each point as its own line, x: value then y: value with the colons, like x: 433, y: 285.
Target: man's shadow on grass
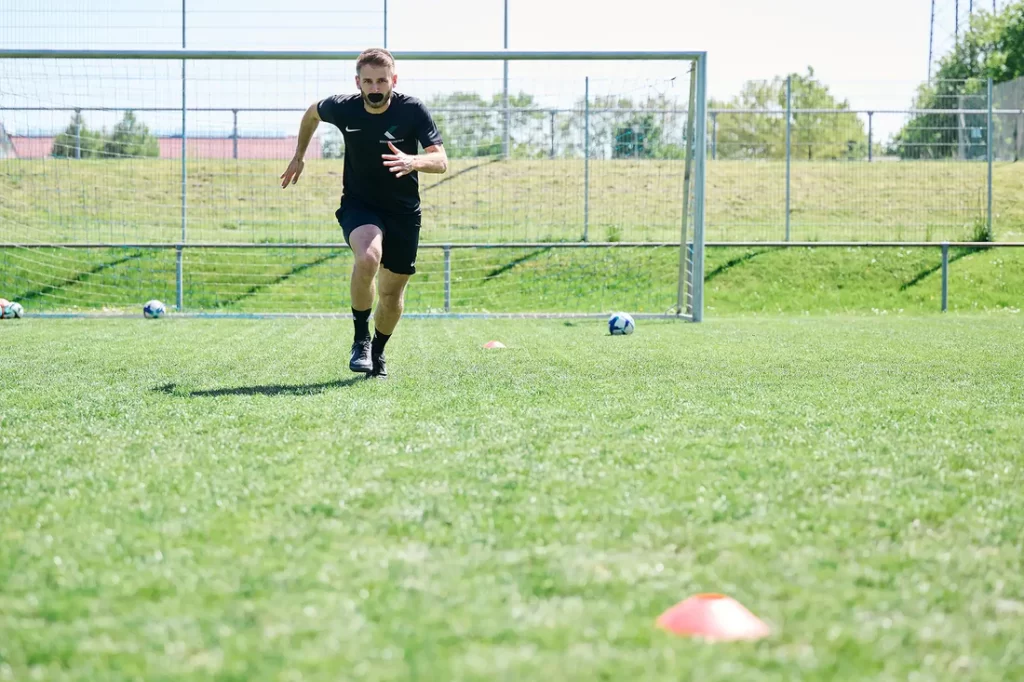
x: 270, y: 389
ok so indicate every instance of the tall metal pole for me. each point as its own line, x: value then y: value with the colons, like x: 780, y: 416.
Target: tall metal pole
x: 78, y: 133
x: 179, y: 265
x: 991, y: 155
x: 945, y: 276
x: 714, y: 135
x: 506, y: 142
x: 552, y: 133
x: 586, y: 158
x: 931, y: 41
x: 385, y: 24
x: 699, y: 182
x: 789, y: 155
x: 871, y: 133
x: 688, y: 144
x: 447, y: 278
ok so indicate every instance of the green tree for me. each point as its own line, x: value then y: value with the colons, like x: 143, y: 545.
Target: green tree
x: 332, y: 143
x: 474, y: 127
x: 645, y: 132
x: 606, y: 116
x: 816, y: 134
x: 528, y: 137
x: 130, y: 138
x: 992, y: 47
x: 621, y: 127
x: 468, y: 124
x: 77, y: 135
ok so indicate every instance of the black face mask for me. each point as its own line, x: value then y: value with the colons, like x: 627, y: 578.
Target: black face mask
x: 375, y: 97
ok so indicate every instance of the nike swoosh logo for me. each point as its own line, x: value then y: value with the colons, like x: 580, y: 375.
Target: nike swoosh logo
x: 352, y: 130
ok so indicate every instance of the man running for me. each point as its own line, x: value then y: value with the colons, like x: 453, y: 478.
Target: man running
x: 380, y: 202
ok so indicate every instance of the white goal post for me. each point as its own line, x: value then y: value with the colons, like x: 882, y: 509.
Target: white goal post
x: 568, y: 196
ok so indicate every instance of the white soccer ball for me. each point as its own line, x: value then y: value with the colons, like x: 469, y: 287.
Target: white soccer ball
x: 154, y: 309
x: 13, y: 310
x: 620, y: 324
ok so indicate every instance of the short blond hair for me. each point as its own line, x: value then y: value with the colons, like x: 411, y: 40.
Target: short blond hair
x: 375, y: 56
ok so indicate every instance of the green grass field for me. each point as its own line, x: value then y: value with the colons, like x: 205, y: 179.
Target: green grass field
x: 738, y: 280
x: 219, y: 500
x: 481, y: 201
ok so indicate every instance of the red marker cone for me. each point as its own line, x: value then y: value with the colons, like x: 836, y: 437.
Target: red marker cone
x: 714, y: 617
x: 494, y: 344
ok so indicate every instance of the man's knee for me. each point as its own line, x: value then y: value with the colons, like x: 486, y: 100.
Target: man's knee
x: 392, y: 300
x: 368, y: 260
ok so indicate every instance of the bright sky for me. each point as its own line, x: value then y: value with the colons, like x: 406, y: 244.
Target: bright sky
x: 873, y: 52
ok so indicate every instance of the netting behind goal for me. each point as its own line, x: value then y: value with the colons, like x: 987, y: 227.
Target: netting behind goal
x: 130, y: 179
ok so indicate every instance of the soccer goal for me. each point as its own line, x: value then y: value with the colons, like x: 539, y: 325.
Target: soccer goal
x: 575, y: 187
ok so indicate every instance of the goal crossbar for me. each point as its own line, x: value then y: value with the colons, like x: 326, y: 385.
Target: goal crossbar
x: 494, y: 55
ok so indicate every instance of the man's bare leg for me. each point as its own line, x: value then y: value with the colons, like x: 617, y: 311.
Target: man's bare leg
x: 391, y: 287
x: 367, y: 245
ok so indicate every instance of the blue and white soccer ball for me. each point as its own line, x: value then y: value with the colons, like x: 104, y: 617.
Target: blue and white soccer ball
x: 9, y: 310
x: 620, y: 324
x: 154, y: 309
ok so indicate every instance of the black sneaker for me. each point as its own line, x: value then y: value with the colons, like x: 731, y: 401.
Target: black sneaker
x: 380, y: 367
x: 360, y: 361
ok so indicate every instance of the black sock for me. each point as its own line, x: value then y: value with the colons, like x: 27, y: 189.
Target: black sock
x: 379, y: 341
x: 362, y: 321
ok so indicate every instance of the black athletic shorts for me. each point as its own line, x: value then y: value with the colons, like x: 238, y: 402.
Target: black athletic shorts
x: 401, y: 232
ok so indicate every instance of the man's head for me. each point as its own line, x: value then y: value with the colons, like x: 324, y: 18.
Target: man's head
x: 375, y: 77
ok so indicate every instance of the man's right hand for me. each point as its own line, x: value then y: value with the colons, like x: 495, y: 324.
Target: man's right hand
x: 291, y: 176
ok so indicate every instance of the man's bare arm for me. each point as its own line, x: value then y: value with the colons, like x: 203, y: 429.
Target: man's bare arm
x: 434, y: 159
x: 310, y: 121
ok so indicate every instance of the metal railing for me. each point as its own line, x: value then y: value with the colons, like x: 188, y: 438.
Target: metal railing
x: 448, y: 249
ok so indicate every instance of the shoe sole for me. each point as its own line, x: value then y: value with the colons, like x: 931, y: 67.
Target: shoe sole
x: 360, y: 370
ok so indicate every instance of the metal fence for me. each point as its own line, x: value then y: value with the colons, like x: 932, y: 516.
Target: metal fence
x: 776, y: 171
x: 109, y: 190
x: 607, y: 169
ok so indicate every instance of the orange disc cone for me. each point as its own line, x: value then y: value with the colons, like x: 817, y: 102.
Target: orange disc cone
x: 494, y: 344
x: 714, y: 617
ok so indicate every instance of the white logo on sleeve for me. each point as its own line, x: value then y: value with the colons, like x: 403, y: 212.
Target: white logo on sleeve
x: 352, y: 130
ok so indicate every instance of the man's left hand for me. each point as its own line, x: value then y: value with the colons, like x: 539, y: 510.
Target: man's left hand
x: 398, y: 163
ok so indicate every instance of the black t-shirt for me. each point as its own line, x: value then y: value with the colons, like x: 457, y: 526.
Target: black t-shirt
x: 365, y: 176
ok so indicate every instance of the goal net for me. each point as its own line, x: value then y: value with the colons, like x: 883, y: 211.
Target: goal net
x: 575, y: 185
